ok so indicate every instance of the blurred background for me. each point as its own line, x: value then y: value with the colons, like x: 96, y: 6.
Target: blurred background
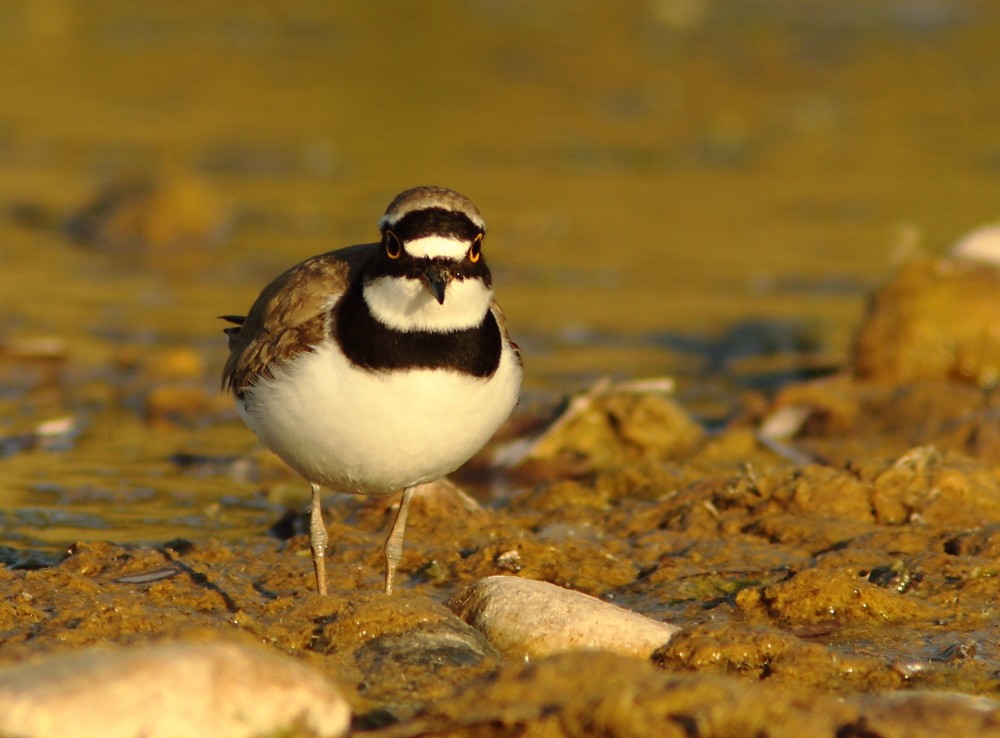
x: 703, y: 189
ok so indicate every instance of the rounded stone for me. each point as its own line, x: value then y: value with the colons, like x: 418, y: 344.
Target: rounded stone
x: 525, y: 618
x: 168, y: 690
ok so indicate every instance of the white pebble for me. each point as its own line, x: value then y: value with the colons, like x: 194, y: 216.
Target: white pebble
x: 170, y: 690
x: 982, y: 244
x: 524, y: 618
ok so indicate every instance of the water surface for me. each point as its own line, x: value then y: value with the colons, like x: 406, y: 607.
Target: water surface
x: 696, y: 189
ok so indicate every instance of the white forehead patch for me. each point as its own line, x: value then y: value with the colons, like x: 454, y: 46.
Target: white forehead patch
x: 435, y: 246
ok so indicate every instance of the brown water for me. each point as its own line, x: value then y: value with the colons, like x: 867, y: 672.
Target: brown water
x: 706, y: 190
x: 686, y: 188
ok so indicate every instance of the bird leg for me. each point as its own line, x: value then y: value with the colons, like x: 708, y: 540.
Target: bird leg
x: 393, y: 548
x: 318, y: 538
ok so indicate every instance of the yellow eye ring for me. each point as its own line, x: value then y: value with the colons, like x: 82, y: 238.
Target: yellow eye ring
x: 393, y: 246
x: 476, y: 249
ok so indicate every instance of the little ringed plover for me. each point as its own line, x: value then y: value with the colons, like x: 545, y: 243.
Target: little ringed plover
x: 379, y: 367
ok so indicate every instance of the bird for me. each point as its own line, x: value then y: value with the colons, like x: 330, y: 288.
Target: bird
x: 382, y: 366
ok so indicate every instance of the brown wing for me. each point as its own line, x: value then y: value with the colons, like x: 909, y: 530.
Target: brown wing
x: 502, y: 322
x: 290, y: 314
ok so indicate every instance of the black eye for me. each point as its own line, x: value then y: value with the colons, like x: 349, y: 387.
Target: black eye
x: 393, y: 246
x: 476, y: 249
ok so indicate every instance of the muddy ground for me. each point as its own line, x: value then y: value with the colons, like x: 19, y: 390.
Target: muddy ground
x: 839, y: 539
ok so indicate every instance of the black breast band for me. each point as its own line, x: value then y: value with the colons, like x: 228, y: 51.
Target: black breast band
x: 371, y: 344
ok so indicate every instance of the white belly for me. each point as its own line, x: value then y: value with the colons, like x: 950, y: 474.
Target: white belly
x: 374, y: 432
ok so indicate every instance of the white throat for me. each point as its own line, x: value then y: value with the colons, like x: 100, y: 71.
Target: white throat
x: 406, y: 305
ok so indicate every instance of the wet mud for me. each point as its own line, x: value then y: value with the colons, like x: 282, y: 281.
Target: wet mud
x: 869, y: 568
x: 831, y: 545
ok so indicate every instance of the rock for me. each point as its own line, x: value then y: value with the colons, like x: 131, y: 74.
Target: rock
x: 816, y: 596
x: 398, y: 652
x: 610, y: 426
x: 168, y: 690
x: 982, y: 244
x: 143, y: 211
x: 182, y: 405
x: 924, y: 713
x: 760, y: 653
x: 524, y: 618
x: 601, y: 694
x: 934, y: 319
x: 592, y: 694
x: 848, y: 421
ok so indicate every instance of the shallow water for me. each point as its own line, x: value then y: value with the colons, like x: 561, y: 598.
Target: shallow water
x: 688, y: 188
x: 697, y: 189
